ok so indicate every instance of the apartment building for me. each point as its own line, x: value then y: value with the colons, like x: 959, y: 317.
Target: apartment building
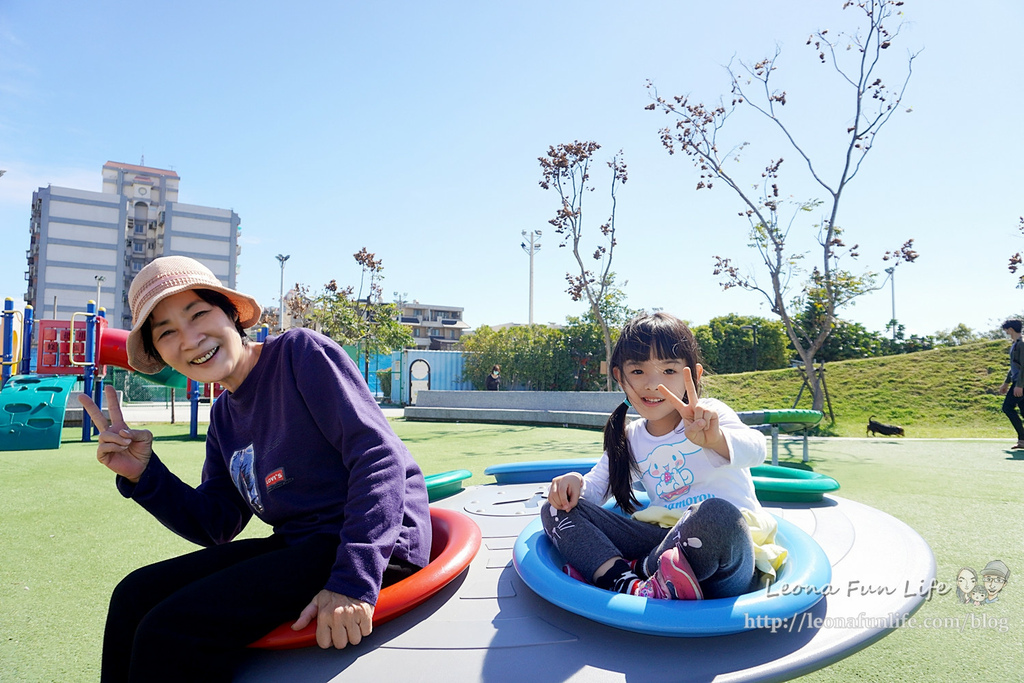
x: 433, y: 327
x: 90, y: 245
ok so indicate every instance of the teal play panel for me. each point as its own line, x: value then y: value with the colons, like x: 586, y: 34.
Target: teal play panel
x: 32, y: 411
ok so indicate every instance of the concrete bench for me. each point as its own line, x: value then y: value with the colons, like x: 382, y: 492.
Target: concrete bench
x: 586, y: 409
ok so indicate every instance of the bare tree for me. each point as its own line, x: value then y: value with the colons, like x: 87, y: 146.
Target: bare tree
x: 857, y: 60
x: 566, y: 168
x: 1015, y: 260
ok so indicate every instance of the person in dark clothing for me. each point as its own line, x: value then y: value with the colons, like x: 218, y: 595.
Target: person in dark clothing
x: 1013, y: 386
x: 297, y: 440
x: 493, y: 382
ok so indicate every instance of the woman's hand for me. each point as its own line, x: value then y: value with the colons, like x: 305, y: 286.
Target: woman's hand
x: 340, y: 620
x: 125, y: 451
x: 565, y: 490
x: 699, y: 423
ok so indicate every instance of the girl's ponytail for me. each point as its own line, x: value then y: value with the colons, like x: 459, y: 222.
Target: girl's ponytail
x: 620, y: 460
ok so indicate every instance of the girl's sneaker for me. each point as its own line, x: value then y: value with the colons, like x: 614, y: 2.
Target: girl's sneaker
x: 674, y: 579
x: 574, y: 573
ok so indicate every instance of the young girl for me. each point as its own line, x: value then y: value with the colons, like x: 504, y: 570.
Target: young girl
x: 297, y: 440
x: 692, y: 457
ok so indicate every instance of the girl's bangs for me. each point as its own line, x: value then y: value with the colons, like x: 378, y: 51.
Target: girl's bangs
x: 655, y: 337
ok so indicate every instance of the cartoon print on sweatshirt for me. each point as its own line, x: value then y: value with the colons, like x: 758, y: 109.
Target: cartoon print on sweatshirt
x: 245, y: 479
x: 667, y: 465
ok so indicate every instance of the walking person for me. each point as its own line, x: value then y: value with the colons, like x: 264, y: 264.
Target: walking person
x: 1013, y: 386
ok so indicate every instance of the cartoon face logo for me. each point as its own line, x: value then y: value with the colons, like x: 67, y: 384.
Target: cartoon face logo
x: 966, y: 580
x: 666, y: 464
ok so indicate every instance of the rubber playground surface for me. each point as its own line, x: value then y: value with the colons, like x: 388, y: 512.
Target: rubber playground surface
x: 68, y: 538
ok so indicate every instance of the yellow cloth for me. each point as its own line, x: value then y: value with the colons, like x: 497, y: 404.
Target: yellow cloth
x: 768, y: 555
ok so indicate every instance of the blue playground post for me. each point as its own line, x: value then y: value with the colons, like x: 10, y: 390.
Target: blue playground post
x: 262, y: 333
x: 90, y: 363
x: 8, y: 357
x: 26, y: 341
x: 97, y: 391
x: 193, y: 397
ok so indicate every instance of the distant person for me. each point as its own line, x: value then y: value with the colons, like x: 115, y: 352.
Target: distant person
x: 1013, y: 387
x: 494, y: 379
x: 295, y: 439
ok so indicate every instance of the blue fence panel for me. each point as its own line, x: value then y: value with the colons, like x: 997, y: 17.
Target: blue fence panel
x: 445, y: 372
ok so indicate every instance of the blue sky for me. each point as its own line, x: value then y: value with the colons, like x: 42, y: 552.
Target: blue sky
x: 413, y: 129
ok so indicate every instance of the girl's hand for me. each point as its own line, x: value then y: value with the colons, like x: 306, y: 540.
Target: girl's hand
x: 565, y: 491
x: 700, y: 424
x: 125, y: 451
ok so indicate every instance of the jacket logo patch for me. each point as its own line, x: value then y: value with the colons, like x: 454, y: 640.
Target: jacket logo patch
x: 276, y: 479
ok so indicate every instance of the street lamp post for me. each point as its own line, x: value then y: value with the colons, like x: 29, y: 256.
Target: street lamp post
x: 280, y: 310
x: 892, y: 282
x: 99, y: 288
x: 532, y: 248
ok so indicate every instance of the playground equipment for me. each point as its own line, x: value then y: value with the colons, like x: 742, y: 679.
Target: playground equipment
x: 32, y: 404
x: 488, y: 625
x: 790, y: 484
x: 771, y: 482
x: 455, y: 540
x: 540, y: 566
x: 445, y: 484
x: 789, y: 421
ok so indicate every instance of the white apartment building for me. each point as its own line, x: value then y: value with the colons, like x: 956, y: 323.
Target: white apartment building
x: 433, y: 327
x: 86, y: 242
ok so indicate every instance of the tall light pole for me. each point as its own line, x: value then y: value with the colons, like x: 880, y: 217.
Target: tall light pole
x: 532, y: 248
x: 400, y: 303
x: 99, y: 288
x: 892, y: 280
x: 280, y: 311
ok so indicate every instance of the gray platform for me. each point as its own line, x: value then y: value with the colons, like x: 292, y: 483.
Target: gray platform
x: 489, y: 626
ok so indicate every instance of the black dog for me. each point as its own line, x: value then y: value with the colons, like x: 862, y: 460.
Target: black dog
x: 875, y: 427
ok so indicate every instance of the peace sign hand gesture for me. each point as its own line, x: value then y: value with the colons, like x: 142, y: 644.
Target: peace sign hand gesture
x: 125, y: 451
x: 699, y: 423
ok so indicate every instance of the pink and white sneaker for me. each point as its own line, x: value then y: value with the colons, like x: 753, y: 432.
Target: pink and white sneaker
x: 674, y: 579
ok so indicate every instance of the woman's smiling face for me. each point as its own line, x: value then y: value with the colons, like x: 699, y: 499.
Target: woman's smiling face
x: 199, y: 340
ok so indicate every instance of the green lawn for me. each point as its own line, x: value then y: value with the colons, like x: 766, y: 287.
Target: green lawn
x: 67, y: 537
x: 944, y: 393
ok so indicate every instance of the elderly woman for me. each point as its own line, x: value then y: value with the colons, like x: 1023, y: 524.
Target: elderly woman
x: 297, y: 440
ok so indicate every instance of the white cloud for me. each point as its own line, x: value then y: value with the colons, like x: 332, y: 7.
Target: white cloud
x: 22, y: 179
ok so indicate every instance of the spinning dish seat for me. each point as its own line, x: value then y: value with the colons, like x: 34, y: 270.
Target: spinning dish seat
x: 801, y: 583
x: 538, y: 471
x: 456, y: 540
x: 445, y: 484
x: 771, y: 482
x: 790, y: 485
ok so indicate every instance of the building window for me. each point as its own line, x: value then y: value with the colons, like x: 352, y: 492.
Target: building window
x: 139, y: 247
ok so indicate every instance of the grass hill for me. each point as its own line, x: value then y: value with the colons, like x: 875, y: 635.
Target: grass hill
x: 945, y: 393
